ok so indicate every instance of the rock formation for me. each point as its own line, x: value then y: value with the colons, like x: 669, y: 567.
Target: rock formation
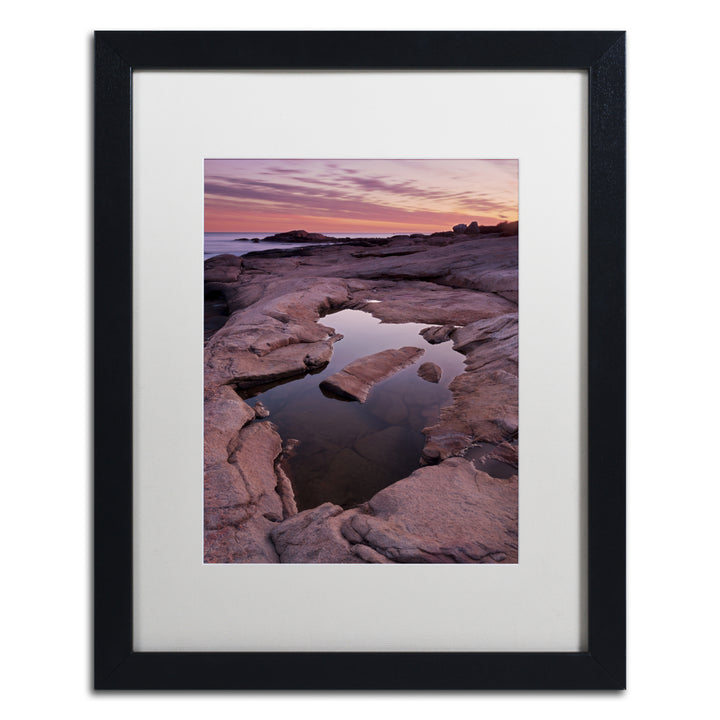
x: 445, y: 513
x: 275, y: 307
x: 355, y: 380
x: 430, y: 371
x: 435, y: 335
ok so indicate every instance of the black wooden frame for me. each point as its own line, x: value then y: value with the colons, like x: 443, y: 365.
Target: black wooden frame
x: 117, y: 55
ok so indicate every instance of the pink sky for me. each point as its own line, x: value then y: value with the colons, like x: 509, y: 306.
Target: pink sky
x: 357, y: 195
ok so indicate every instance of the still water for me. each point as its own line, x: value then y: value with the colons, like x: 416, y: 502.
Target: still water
x: 348, y: 451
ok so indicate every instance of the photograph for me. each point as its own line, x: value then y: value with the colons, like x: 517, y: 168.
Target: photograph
x: 361, y: 360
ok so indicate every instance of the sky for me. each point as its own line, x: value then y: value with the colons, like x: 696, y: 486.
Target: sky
x: 331, y: 196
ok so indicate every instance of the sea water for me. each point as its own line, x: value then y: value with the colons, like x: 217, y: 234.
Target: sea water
x: 239, y: 243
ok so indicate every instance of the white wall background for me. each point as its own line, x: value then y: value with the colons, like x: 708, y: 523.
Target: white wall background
x: 673, y: 388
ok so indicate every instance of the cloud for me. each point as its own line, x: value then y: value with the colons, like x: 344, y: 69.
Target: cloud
x: 411, y: 192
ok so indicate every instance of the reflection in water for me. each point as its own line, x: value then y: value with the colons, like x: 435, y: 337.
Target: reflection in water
x: 348, y: 451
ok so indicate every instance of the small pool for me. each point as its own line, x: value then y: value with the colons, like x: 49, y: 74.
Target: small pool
x: 348, y: 451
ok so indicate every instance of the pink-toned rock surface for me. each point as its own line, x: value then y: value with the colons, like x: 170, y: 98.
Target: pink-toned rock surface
x: 244, y: 497
x: 275, y: 303
x: 485, y: 396
x: 447, y: 513
x: 430, y: 371
x: 356, y: 379
x: 435, y: 335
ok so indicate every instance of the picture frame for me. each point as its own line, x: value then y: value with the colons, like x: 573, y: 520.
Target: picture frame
x: 117, y: 665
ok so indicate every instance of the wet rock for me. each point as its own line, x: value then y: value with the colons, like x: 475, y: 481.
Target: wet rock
x: 437, y: 335
x: 500, y: 461
x: 260, y: 410
x: 430, y: 371
x: 355, y: 380
x: 318, y: 356
x: 507, y: 453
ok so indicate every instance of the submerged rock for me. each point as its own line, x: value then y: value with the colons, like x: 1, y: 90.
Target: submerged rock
x: 355, y: 380
x: 380, y: 447
x: 260, y: 410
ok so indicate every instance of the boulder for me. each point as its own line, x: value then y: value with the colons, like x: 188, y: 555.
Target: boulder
x: 355, y: 380
x: 460, y: 228
x: 430, y: 371
x: 260, y: 410
x: 436, y: 335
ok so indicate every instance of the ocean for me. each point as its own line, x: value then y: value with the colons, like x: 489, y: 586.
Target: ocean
x: 239, y: 243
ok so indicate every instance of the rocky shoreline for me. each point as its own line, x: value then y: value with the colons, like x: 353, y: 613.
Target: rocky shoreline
x: 462, y: 284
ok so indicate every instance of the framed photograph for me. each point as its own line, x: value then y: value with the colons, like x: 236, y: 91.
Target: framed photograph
x: 359, y: 360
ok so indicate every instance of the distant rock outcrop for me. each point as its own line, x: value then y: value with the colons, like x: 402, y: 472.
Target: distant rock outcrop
x: 299, y: 236
x: 504, y: 228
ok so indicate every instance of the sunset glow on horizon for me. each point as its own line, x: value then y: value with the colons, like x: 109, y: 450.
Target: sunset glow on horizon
x: 334, y: 196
